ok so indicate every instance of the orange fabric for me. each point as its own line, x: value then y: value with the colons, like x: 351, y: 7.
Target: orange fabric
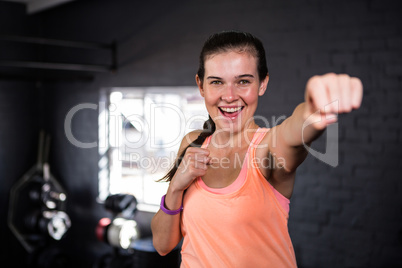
x: 236, y: 184
x: 244, y: 228
x: 242, y: 175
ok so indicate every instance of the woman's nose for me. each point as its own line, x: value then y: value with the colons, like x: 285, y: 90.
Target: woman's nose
x: 229, y: 94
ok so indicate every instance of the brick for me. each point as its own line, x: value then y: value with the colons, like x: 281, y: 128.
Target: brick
x: 341, y: 58
x: 384, y: 5
x: 308, y: 228
x: 392, y: 256
x: 354, y: 183
x: 371, y: 122
x: 367, y: 172
x: 382, y: 135
x: 348, y: 241
x: 299, y: 215
x: 341, y: 195
x: 388, y: 110
x: 388, y: 57
x: 393, y: 173
x: 338, y: 33
x: 356, y: 135
x: 362, y: 57
x: 393, y: 92
x: 348, y: 45
x: 388, y: 164
x: 370, y: 31
x: 390, y: 150
x: 394, y: 42
x: 394, y: 69
x: 383, y: 237
x: 318, y: 58
x: 377, y: 220
x: 308, y: 204
x: 373, y: 44
x: 371, y: 150
x: 375, y: 186
x: 393, y: 17
x: 330, y: 206
x: 332, y: 181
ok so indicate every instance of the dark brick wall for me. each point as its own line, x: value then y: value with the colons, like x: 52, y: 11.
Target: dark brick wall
x: 344, y: 216
x: 21, y: 112
x: 18, y: 141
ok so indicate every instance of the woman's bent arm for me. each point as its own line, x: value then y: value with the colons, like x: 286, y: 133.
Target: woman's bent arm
x: 166, y: 230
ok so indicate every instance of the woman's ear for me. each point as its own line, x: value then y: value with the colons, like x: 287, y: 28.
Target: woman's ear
x: 263, y: 86
x: 199, y: 84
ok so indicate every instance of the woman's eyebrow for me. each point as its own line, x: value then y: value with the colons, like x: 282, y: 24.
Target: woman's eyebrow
x: 237, y: 77
x: 244, y: 75
x: 213, y: 77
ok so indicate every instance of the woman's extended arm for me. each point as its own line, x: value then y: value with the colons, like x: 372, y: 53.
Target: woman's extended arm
x: 326, y: 96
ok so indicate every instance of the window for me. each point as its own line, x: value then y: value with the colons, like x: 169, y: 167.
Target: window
x: 141, y: 130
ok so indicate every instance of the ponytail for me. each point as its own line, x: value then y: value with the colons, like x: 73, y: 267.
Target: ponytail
x: 208, y: 130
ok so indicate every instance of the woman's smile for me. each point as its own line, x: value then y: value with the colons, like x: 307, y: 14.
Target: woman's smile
x: 231, y: 112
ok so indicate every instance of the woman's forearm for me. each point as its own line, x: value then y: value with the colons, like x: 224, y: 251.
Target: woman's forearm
x: 299, y: 129
x: 166, y: 233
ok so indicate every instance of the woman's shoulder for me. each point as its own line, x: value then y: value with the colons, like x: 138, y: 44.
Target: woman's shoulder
x: 189, y: 138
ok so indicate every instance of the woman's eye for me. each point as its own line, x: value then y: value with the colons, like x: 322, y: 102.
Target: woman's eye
x: 216, y: 82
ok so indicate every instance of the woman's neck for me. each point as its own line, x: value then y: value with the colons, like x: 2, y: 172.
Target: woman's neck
x: 240, y: 139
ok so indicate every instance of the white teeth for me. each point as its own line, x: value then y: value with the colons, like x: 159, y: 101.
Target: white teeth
x: 230, y: 110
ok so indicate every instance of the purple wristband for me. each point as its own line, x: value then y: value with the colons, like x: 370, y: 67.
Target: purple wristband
x: 167, y: 211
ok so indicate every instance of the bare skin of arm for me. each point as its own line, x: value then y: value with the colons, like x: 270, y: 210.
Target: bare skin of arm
x: 166, y: 228
x: 325, y: 97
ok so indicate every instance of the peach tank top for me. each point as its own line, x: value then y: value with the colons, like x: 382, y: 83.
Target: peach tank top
x: 242, y: 225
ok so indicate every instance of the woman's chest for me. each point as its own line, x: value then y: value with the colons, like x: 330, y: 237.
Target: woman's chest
x: 223, y: 169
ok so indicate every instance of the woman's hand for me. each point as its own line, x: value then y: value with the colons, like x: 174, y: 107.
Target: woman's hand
x: 328, y: 95
x: 193, y: 165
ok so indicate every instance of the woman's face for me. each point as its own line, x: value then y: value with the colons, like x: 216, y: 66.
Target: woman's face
x: 231, y: 88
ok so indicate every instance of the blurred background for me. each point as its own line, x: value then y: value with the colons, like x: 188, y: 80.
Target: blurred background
x: 82, y: 84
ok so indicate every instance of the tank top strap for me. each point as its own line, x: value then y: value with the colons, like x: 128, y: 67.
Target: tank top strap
x: 206, y: 142
x: 258, y: 136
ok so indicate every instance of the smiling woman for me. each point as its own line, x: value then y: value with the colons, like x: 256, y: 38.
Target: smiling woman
x: 225, y: 200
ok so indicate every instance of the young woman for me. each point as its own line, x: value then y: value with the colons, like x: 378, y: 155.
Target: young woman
x: 228, y: 197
